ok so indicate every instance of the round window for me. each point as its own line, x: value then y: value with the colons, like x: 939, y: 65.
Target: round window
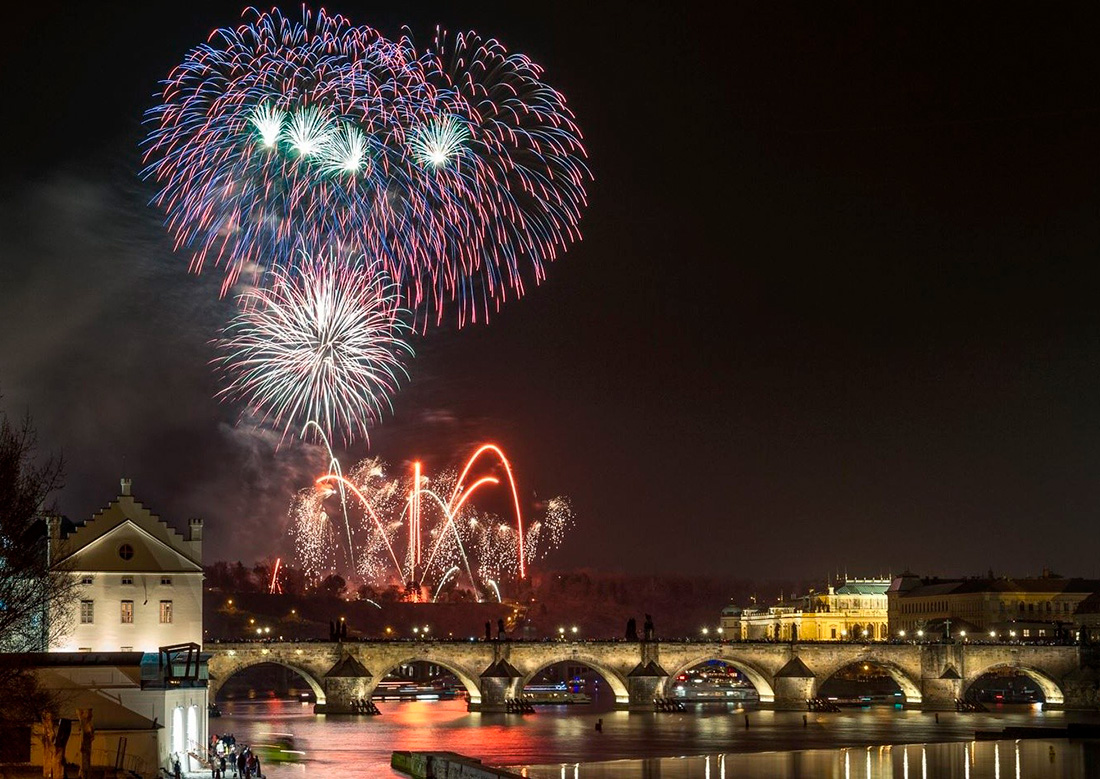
x: 125, y: 551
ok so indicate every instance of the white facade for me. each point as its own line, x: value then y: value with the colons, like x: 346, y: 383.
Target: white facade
x: 141, y: 589
x: 141, y: 580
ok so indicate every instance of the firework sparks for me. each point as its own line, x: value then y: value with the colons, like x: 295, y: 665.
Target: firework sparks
x: 423, y: 533
x: 468, y: 171
x: 324, y: 344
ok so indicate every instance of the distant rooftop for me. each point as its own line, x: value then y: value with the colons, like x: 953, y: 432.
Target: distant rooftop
x: 1053, y: 585
x: 864, y: 587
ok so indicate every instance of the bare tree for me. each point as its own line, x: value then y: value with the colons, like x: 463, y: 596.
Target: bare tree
x: 35, y: 598
x: 32, y: 594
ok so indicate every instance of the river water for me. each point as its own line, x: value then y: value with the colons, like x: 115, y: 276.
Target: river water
x: 562, y: 741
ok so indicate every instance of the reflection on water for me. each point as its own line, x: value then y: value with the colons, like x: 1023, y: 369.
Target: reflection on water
x: 361, y: 745
x: 974, y: 760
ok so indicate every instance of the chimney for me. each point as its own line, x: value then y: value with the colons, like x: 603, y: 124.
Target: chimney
x: 195, y: 539
x: 125, y: 486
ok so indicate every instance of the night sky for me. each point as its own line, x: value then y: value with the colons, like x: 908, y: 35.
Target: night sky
x: 834, y: 308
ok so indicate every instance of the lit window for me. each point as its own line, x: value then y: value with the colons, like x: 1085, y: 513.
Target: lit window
x: 84, y: 649
x: 167, y: 580
x: 126, y: 649
x: 87, y: 612
x: 165, y: 612
x: 127, y: 579
x: 126, y: 552
x: 127, y: 612
x: 86, y: 580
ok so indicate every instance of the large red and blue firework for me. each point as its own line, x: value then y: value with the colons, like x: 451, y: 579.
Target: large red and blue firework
x: 456, y: 167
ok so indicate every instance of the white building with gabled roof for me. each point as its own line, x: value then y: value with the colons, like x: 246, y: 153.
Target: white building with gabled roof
x: 131, y: 648
x: 141, y: 580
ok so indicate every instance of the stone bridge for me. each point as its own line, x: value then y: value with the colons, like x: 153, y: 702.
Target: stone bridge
x: 931, y: 675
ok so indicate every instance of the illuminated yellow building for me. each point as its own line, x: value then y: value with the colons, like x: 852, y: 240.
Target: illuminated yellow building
x: 854, y: 611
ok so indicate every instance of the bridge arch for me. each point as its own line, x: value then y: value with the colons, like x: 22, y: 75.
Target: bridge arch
x: 760, y: 679
x: 911, y: 688
x: 1052, y: 691
x: 612, y: 677
x: 468, y: 681
x: 223, y: 676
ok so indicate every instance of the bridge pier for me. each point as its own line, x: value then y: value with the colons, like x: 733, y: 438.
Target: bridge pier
x: 345, y: 683
x: 645, y: 683
x: 499, y: 682
x: 340, y: 693
x: 938, y: 694
x: 791, y: 693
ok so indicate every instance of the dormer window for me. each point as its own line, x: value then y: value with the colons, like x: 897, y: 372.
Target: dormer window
x: 126, y: 552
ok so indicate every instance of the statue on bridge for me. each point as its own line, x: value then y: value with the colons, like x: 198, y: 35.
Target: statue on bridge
x: 632, y: 629
x: 650, y: 632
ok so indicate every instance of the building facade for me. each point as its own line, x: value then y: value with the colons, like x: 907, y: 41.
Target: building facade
x: 855, y: 610
x: 130, y: 649
x: 1039, y: 608
x: 141, y: 580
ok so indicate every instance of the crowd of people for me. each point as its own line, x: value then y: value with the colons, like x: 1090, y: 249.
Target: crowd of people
x: 225, y: 755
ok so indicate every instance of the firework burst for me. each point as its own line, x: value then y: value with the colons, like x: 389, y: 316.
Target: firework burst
x: 457, y: 165
x: 423, y: 532
x: 323, y: 343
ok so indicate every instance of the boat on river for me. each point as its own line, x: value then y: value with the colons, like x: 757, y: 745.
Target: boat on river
x: 542, y: 694
x: 399, y: 691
